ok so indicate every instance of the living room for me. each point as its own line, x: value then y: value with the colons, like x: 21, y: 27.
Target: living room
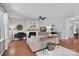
x: 37, y: 25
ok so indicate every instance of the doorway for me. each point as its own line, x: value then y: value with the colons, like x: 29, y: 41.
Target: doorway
x: 76, y: 29
x: 75, y: 26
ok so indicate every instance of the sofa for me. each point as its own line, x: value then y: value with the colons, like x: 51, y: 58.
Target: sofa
x: 35, y: 43
x: 20, y: 35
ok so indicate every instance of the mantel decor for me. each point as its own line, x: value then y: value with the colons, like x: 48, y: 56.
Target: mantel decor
x: 42, y: 29
x: 19, y: 27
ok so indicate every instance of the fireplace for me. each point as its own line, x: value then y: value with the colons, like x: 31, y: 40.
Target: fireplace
x: 31, y: 34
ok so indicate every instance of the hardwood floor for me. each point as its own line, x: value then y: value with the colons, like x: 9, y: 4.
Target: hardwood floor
x: 72, y: 44
x: 21, y: 48
x: 18, y: 48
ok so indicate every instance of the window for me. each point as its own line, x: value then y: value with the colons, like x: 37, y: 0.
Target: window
x: 2, y: 27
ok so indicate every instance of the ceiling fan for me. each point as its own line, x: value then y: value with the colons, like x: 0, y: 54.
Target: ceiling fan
x: 42, y: 18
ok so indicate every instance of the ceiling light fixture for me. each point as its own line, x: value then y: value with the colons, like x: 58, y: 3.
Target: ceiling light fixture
x: 42, y: 18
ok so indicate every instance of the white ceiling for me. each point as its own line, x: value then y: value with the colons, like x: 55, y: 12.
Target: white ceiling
x: 31, y: 11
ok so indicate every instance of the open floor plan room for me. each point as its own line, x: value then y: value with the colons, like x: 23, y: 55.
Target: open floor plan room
x: 39, y: 29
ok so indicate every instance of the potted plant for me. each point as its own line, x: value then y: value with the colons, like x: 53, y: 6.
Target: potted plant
x: 52, y: 28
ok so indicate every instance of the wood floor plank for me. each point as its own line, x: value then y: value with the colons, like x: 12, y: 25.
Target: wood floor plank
x: 72, y: 44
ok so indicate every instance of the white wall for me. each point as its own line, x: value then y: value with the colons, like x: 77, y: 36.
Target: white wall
x: 59, y: 23
x: 15, y: 22
x: 25, y: 23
